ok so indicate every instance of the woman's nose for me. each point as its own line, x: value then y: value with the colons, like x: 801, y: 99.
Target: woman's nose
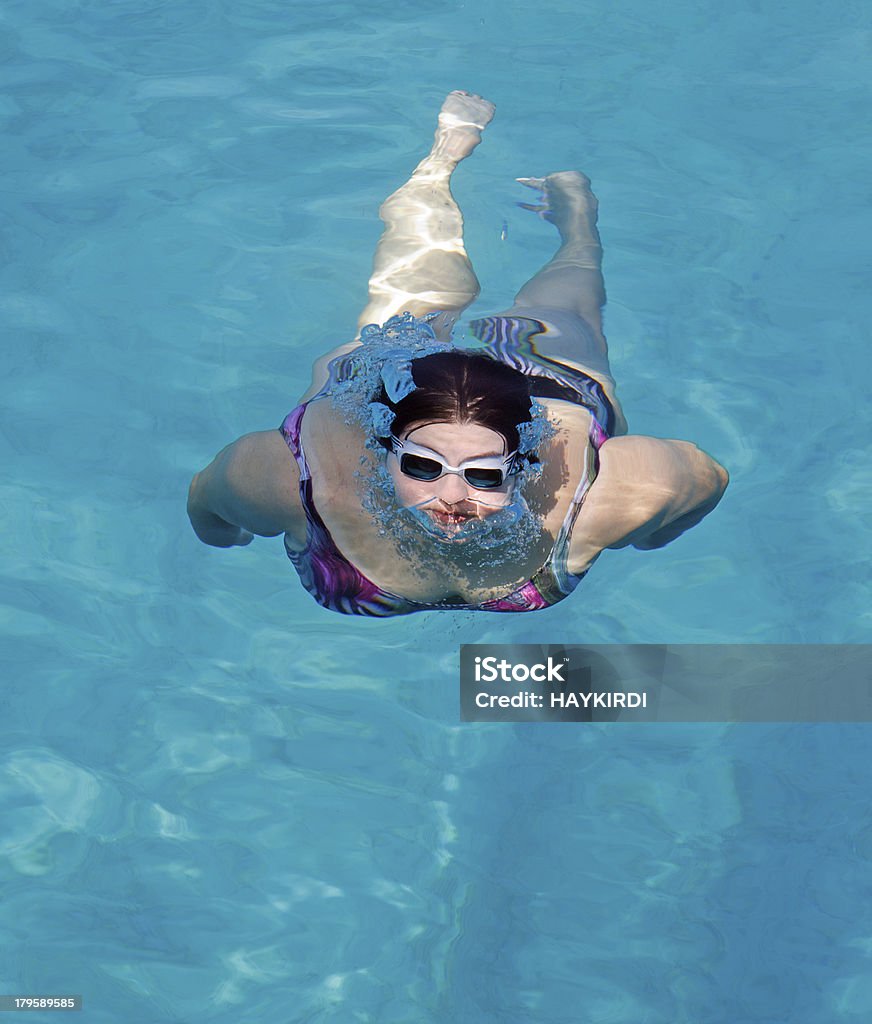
x: 453, y: 488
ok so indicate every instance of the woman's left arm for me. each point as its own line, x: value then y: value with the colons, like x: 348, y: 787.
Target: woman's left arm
x: 663, y: 535
x: 648, y: 492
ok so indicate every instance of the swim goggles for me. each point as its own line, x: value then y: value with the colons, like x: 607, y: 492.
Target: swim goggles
x: 484, y: 473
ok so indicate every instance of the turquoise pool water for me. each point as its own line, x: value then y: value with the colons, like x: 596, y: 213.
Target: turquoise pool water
x: 222, y: 803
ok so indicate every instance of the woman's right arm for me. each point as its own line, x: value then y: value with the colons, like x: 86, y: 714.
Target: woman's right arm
x: 251, y: 487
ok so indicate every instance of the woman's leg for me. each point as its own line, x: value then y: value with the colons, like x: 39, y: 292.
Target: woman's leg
x: 421, y: 264
x: 570, y: 286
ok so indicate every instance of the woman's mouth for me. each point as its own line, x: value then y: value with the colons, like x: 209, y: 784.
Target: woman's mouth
x: 450, y: 518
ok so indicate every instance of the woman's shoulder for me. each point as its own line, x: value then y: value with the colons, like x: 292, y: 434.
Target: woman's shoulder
x: 643, y: 484
x: 335, y: 448
x: 333, y: 440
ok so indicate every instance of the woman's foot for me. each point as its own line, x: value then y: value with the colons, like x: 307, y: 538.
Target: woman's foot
x: 566, y: 202
x: 462, y: 119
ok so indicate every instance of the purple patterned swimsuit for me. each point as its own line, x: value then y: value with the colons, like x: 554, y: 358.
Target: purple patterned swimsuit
x: 337, y: 585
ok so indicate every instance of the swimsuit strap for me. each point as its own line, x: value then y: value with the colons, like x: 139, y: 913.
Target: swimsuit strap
x: 560, y: 553
x: 291, y: 430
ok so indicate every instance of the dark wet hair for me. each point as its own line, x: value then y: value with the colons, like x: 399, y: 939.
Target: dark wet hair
x: 465, y: 387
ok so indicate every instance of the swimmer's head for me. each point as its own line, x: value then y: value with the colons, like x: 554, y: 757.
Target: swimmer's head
x: 462, y: 388
x: 452, y: 474
x: 407, y: 386
x: 453, y: 440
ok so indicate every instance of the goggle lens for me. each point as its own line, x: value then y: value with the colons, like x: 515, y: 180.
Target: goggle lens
x: 419, y: 468
x: 483, y: 478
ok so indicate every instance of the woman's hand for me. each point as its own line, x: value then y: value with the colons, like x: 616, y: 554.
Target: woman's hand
x: 225, y: 535
x: 209, y: 527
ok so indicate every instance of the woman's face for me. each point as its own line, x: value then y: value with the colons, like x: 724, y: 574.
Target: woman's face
x: 450, y: 502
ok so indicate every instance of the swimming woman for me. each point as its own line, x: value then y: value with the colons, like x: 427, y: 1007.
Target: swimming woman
x: 417, y: 474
